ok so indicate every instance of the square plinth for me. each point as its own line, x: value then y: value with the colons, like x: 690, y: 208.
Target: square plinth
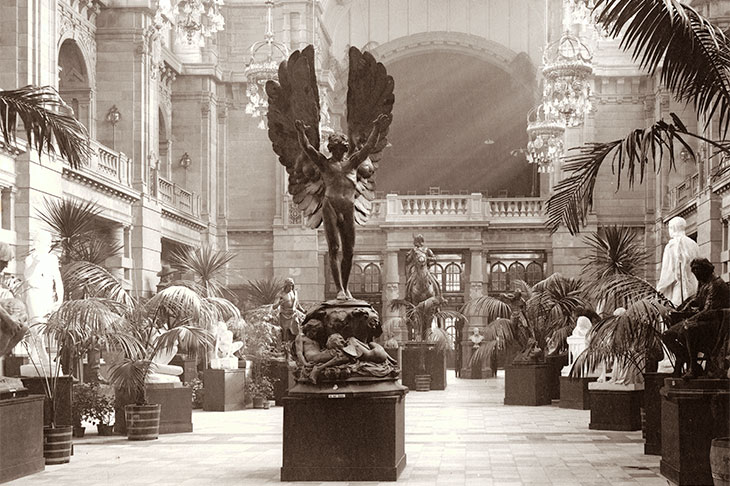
x: 224, y: 390
x: 21, y: 437
x: 574, y: 393
x: 556, y: 362
x: 693, y: 413
x: 527, y: 384
x: 653, y: 382
x: 613, y: 409
x: 423, y: 359
x: 344, y: 439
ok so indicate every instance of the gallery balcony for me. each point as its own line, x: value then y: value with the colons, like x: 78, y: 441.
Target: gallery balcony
x: 682, y: 196
x: 182, y: 200
x: 106, y: 170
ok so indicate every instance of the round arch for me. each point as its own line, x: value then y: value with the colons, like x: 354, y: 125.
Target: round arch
x: 75, y: 80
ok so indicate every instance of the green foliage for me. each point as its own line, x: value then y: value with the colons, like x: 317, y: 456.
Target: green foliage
x: 260, y: 384
x: 615, y: 250
x: 207, y: 266
x: 260, y: 293
x: 198, y: 392
x: 92, y: 403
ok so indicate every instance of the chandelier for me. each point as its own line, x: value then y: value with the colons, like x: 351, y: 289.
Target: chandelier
x: 545, y: 133
x: 194, y: 20
x: 567, y: 68
x: 258, y: 72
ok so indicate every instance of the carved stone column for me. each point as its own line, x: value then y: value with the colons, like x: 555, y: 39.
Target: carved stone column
x: 7, y: 199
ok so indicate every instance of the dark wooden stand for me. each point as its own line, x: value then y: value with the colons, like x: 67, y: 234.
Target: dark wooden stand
x: 421, y: 358
x: 21, y: 437
x: 653, y: 382
x: 354, y: 433
x: 224, y: 390
x: 693, y: 413
x: 615, y: 409
x: 527, y: 384
x: 64, y: 397
x: 574, y: 393
x: 556, y: 362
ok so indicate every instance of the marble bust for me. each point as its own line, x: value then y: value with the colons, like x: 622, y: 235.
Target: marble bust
x: 476, y: 337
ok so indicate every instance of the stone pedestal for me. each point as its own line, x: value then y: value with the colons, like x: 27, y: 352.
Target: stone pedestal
x: 556, y: 363
x: 21, y: 437
x: 615, y: 407
x: 224, y: 390
x: 693, y: 413
x: 189, y: 366
x: 421, y: 358
x: 176, y: 401
x: 284, y: 379
x: 12, y: 364
x: 653, y: 382
x: 353, y: 433
x: 574, y: 392
x: 64, y: 398
x: 527, y: 384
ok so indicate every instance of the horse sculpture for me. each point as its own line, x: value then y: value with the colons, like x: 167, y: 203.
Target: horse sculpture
x: 422, y: 288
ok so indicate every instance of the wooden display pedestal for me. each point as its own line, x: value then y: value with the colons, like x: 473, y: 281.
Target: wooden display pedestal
x: 615, y: 407
x: 574, y: 393
x: 224, y: 390
x: 527, y: 384
x: 21, y: 437
x: 693, y: 413
x: 354, y: 433
x: 556, y: 362
x: 653, y: 382
x: 176, y: 414
x: 421, y: 358
x: 64, y: 397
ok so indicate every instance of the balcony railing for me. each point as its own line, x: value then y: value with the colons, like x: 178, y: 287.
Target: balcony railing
x: 181, y: 199
x: 684, y: 191
x: 108, y: 164
x: 447, y: 209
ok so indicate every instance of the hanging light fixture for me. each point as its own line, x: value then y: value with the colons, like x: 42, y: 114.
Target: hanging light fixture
x: 545, y: 133
x: 567, y: 69
x: 258, y: 72
x: 193, y: 20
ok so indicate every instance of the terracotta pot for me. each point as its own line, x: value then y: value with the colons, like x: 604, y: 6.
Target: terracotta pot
x: 143, y: 421
x: 57, y: 444
x: 720, y: 461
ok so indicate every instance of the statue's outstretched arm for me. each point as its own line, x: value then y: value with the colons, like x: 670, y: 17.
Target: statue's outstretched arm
x: 314, y: 155
x: 361, y: 154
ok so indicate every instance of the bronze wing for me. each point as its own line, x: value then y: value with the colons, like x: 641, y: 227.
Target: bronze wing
x: 369, y: 95
x: 296, y: 97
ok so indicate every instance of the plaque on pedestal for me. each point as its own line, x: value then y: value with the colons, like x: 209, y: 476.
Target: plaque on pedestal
x: 21, y: 437
x: 574, y: 392
x: 351, y: 431
x: 615, y: 407
x: 693, y: 413
x: 224, y: 390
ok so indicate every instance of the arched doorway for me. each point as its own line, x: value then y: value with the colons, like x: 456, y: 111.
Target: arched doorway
x: 74, y: 84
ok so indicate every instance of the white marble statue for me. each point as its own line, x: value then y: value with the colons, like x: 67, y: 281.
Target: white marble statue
x: 623, y: 375
x: 577, y: 343
x: 161, y: 371
x: 44, y: 287
x: 476, y: 337
x: 222, y: 357
x: 676, y: 281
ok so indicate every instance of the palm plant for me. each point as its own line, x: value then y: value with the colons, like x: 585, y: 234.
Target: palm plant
x: 693, y: 58
x: 48, y: 121
x: 207, y: 266
x: 258, y: 293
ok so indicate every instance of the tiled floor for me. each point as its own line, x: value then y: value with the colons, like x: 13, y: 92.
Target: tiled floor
x: 461, y: 436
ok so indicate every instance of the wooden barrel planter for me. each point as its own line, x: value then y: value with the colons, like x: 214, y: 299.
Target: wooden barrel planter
x: 720, y: 461
x: 423, y: 382
x: 143, y: 421
x: 57, y: 443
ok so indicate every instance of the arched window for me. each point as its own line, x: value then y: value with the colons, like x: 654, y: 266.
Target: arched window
x: 534, y: 273
x: 453, y: 278
x: 355, y: 283
x: 74, y: 83
x: 438, y: 272
x: 371, y: 279
x: 450, y: 327
x: 499, y: 277
x: 516, y: 272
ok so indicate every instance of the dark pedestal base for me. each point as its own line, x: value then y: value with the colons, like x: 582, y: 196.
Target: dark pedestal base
x: 176, y: 414
x: 224, y: 390
x: 416, y: 356
x: 615, y: 409
x: 12, y: 364
x: 527, y: 384
x: 21, y: 437
x: 189, y: 366
x: 64, y: 398
x: 693, y: 413
x: 279, y: 370
x: 574, y: 393
x: 556, y: 363
x: 653, y: 382
x: 354, y: 433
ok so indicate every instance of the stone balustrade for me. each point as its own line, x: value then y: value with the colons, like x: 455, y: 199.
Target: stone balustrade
x: 181, y: 199
x: 109, y: 164
x: 684, y: 191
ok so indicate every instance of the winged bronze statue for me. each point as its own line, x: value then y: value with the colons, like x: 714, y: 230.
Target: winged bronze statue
x: 335, y: 190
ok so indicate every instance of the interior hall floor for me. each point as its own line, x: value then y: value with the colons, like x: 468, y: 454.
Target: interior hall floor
x: 461, y: 436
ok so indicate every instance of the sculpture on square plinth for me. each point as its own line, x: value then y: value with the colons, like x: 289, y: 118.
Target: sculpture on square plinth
x: 291, y: 313
x: 222, y: 357
x: 676, y: 281
x: 577, y: 342
x: 335, y: 191
x: 702, y: 326
x: 422, y: 288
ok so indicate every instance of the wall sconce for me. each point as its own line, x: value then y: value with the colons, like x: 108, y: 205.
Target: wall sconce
x: 113, y: 116
x: 185, y: 161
